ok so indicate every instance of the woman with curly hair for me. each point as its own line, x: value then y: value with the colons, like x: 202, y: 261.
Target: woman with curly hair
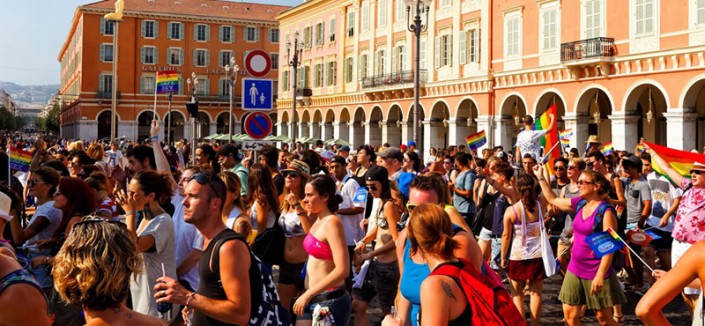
x: 147, y: 191
x: 93, y: 270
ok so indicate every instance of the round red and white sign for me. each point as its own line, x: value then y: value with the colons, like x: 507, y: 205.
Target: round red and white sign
x: 258, y: 63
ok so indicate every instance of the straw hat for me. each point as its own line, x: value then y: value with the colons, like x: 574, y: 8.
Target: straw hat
x: 593, y: 140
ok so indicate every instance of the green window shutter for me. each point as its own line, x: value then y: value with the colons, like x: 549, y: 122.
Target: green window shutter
x: 232, y: 34
x: 181, y: 31
x: 207, y: 89
x: 195, y: 57
x: 220, y: 33
x: 100, y: 79
x: 102, y: 25
x: 102, y: 52
x: 156, y: 55
x: 450, y: 50
x: 394, y: 59
x: 181, y: 57
x: 208, y: 58
x: 463, y: 48
x: 168, y: 30
x: 220, y: 87
x: 437, y: 52
x: 142, y: 54
x: 142, y: 85
x: 143, y: 28
x: 195, y: 32
x: 208, y: 33
x: 156, y: 28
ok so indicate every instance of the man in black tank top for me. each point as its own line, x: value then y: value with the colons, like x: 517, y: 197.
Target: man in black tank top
x: 225, y: 296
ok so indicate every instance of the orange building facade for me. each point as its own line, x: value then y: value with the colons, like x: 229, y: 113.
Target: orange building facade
x: 189, y: 36
x: 621, y: 70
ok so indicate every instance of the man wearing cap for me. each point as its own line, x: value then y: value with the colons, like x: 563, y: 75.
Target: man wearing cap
x: 391, y: 159
x: 344, y: 151
x: 411, y: 146
x: 638, y: 196
x: 229, y: 158
x: 691, y: 212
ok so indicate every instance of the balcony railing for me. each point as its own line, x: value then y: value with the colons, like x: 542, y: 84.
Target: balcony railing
x: 401, y: 77
x: 107, y: 95
x: 303, y: 92
x: 588, y: 48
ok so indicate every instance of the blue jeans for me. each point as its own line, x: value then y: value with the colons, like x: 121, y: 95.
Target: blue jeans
x: 341, y: 308
x: 42, y: 272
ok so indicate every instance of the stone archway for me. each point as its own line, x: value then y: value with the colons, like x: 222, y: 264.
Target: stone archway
x: 394, y: 123
x: 177, y: 126
x: 144, y: 123
x: 273, y: 117
x: 222, y: 125
x: 373, y: 132
x: 317, y: 124
x: 204, y: 125
x: 304, y: 125
x: 509, y: 124
x: 693, y: 128
x: 594, y: 111
x: 545, y: 101
x: 648, y: 104
x: 327, y: 128
x: 436, y: 128
x: 104, y: 124
x: 465, y: 122
x: 356, y: 127
x: 284, y: 125
x: 343, y: 129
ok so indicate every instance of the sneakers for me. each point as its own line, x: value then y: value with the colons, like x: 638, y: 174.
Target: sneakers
x: 643, y: 290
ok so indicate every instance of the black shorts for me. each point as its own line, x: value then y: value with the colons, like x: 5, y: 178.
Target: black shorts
x: 291, y: 274
x: 382, y: 280
x: 664, y: 243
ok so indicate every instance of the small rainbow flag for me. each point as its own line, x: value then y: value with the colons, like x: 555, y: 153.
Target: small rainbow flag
x: 167, y: 82
x: 565, y: 137
x: 476, y: 140
x: 614, y: 234
x: 20, y: 159
x: 607, y: 149
x: 680, y: 161
x: 639, y: 149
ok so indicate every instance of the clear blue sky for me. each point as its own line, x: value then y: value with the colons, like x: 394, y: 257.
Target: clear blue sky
x: 32, y: 32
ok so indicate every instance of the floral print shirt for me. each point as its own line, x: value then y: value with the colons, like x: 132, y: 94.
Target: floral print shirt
x: 689, y: 225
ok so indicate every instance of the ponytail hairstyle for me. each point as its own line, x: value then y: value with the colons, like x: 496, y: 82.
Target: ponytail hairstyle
x: 526, y: 187
x: 431, y: 231
x: 157, y: 183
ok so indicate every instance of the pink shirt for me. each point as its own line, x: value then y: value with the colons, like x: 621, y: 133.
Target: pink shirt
x: 689, y: 225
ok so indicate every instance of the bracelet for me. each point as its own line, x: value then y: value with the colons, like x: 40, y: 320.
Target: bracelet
x: 542, y: 179
x: 129, y: 213
x: 189, y: 297
x: 154, y: 138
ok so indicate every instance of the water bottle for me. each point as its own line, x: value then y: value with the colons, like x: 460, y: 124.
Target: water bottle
x: 164, y: 307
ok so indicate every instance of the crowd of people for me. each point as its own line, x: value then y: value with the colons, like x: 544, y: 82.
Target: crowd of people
x: 132, y: 233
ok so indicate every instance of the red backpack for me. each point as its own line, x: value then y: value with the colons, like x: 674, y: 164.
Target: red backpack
x: 489, y: 301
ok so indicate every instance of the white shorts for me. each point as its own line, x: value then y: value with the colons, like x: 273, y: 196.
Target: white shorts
x: 678, y: 249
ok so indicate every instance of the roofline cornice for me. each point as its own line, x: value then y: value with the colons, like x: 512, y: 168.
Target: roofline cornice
x: 309, y: 5
x: 192, y: 18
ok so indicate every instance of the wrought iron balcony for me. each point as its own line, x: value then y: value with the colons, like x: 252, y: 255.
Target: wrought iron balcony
x: 599, y: 47
x: 303, y: 92
x: 396, y: 78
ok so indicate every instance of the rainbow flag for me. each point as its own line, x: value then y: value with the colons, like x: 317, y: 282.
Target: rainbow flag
x: 565, y: 137
x: 476, y: 140
x: 681, y: 161
x: 607, y: 149
x: 551, y: 138
x: 20, y: 159
x: 639, y: 149
x: 167, y: 81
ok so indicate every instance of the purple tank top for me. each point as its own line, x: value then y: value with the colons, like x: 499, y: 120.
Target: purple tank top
x: 583, y: 262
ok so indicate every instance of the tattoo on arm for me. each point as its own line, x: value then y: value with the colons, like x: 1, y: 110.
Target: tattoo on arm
x: 448, y: 290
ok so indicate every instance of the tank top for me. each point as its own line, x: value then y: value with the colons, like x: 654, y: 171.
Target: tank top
x: 382, y: 222
x: 291, y: 224
x: 527, y: 236
x: 271, y: 217
x: 211, y: 285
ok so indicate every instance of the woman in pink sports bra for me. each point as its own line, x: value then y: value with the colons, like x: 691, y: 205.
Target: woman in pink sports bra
x: 328, y: 264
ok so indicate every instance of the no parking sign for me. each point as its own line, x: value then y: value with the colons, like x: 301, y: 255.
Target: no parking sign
x: 258, y: 125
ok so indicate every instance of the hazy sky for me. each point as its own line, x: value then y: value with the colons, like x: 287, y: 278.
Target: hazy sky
x: 31, y: 35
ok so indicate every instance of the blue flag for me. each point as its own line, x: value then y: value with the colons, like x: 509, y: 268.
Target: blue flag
x: 603, y: 243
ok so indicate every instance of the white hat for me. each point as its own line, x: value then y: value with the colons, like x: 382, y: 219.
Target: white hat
x: 5, y: 203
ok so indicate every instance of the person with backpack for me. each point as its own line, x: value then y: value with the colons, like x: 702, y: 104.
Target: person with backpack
x: 456, y: 292
x: 589, y: 280
x: 497, y: 194
x: 235, y: 289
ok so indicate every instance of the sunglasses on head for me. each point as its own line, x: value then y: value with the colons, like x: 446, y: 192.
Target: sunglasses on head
x: 205, y: 179
x: 371, y: 187
x: 410, y: 207
x: 97, y: 219
x: 290, y: 174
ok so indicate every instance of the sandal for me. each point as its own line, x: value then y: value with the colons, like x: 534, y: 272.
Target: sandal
x: 618, y: 319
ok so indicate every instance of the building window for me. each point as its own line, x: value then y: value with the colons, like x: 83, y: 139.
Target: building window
x: 330, y: 73
x: 398, y: 65
x: 422, y: 56
x: 149, y: 29
x: 106, y: 52
x: 225, y: 58
x: 176, y: 31
x: 512, y: 34
x: 469, y: 46
x: 549, y: 28
x: 203, y: 86
x: 644, y: 17
x: 318, y: 75
x: 319, y: 33
x: 274, y: 57
x: 593, y: 18
x: 286, y: 84
x: 307, y: 37
x: 226, y: 34
x: 700, y: 12
x: 380, y: 58
x: 200, y: 58
x: 365, y: 18
x: 382, y: 13
x: 351, y: 23
x: 107, y: 27
x: 401, y: 11
x: 443, y: 54
x: 147, y: 84
x: 446, y: 3
x: 303, y: 76
x: 224, y: 87
x: 175, y: 56
x: 364, y: 66
x: 149, y: 55
x: 106, y: 84
x: 348, y: 70
x: 273, y: 35
x: 332, y: 29
x: 201, y: 33
x: 251, y: 34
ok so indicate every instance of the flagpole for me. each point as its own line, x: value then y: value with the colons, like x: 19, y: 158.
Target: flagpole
x: 543, y: 160
x: 632, y: 250
x: 9, y: 169
x: 154, y: 117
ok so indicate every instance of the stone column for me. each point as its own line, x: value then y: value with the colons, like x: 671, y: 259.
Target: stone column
x: 457, y: 131
x: 336, y: 129
x: 428, y: 137
x: 405, y: 129
x: 384, y: 129
x: 681, y: 124
x: 484, y: 122
x: 504, y: 132
x: 127, y: 128
x: 579, y: 124
x: 351, y: 135
x: 312, y: 127
x: 213, y: 129
x: 366, y: 126
x: 624, y: 131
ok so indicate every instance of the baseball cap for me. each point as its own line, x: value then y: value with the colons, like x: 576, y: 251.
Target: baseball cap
x: 411, y: 143
x: 344, y: 148
x: 377, y: 173
x: 392, y: 152
x: 633, y: 160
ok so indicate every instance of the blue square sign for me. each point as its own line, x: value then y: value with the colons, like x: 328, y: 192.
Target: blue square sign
x: 257, y: 94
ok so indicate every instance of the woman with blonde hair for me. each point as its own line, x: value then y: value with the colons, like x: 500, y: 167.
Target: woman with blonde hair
x: 234, y: 209
x: 93, y: 270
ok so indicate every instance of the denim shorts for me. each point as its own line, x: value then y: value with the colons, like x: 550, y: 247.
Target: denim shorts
x: 382, y: 280
x: 42, y: 272
x: 341, y: 308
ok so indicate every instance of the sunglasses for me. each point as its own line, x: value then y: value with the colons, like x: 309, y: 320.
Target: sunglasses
x: 572, y: 167
x: 559, y: 168
x: 583, y: 182
x: 410, y: 207
x: 697, y: 172
x: 372, y: 187
x: 290, y: 174
x: 205, y: 179
x: 34, y: 182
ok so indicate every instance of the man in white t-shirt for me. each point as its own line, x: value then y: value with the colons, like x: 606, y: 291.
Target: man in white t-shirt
x: 351, y: 211
x: 529, y: 140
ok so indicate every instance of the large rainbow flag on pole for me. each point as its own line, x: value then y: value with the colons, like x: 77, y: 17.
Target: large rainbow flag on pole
x: 20, y: 159
x: 167, y: 82
x: 681, y: 161
x: 476, y: 140
x: 551, y: 138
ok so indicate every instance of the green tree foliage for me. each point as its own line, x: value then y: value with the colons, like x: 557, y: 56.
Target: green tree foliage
x: 7, y: 120
x: 51, y: 121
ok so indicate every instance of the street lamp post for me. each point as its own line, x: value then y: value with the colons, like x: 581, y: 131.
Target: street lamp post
x: 294, y: 63
x: 193, y: 112
x: 420, y: 6
x: 231, y: 71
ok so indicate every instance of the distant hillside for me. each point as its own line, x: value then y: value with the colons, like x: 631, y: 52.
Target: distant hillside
x: 29, y: 95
